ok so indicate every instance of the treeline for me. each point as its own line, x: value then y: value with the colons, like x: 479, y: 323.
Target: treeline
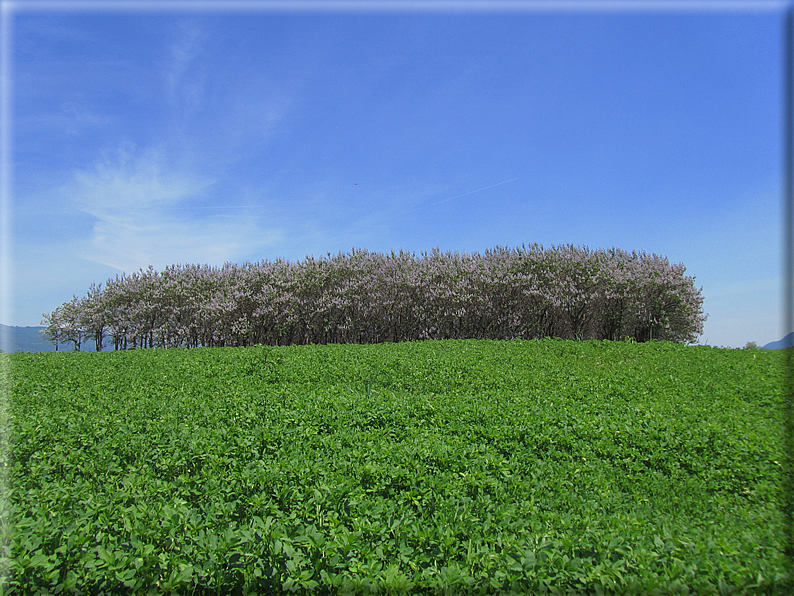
x: 364, y: 297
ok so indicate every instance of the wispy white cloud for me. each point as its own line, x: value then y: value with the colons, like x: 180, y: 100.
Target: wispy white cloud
x: 221, y: 109
x: 185, y: 81
x: 130, y: 247
x: 75, y: 117
x: 128, y: 180
x: 69, y: 117
x: 147, y: 213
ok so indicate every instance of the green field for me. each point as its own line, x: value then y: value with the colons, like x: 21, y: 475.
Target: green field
x: 436, y: 467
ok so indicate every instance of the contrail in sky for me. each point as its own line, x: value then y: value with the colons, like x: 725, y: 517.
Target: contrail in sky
x: 463, y: 195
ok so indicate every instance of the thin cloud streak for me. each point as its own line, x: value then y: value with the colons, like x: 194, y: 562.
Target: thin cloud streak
x: 425, y: 206
x: 466, y: 193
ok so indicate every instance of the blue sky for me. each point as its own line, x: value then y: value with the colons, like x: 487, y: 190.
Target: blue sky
x: 189, y: 136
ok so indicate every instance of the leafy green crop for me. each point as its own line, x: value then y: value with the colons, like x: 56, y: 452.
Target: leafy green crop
x: 437, y: 467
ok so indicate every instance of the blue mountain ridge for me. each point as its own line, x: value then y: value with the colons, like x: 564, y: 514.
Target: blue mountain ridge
x: 30, y: 339
x: 786, y: 342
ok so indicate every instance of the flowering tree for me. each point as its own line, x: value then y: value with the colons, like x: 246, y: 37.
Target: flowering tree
x: 64, y: 324
x: 364, y: 297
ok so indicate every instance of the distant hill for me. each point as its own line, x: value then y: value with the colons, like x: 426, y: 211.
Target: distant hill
x: 786, y: 342
x: 29, y: 339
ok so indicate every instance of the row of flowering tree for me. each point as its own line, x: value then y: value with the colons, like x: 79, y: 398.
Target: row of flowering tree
x: 364, y: 297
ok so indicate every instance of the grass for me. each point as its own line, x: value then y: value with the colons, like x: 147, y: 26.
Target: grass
x: 456, y: 467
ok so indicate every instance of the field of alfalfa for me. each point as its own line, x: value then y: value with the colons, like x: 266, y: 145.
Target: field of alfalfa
x: 433, y: 467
